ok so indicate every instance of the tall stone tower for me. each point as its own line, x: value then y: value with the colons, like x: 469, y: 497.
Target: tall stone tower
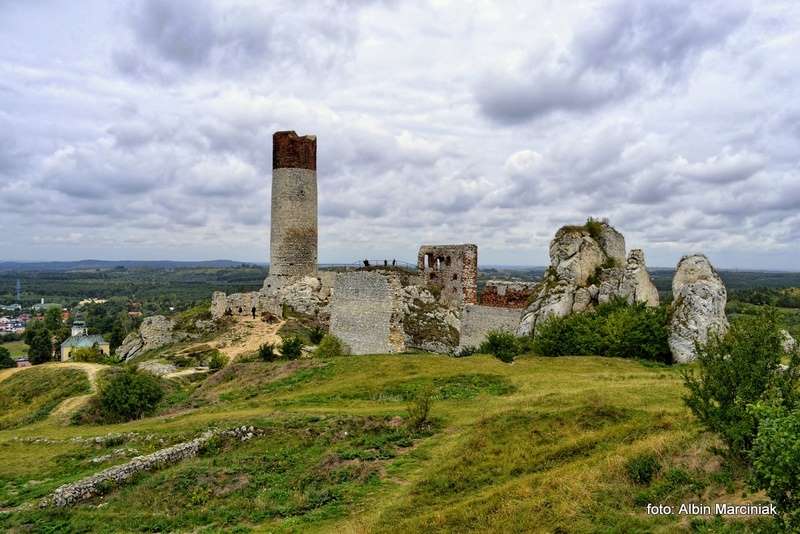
x: 293, y: 235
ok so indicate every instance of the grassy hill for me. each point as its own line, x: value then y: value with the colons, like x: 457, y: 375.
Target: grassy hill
x: 541, y: 445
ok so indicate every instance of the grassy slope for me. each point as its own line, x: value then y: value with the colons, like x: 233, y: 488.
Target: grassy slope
x: 539, y: 445
x: 30, y: 395
x: 16, y: 348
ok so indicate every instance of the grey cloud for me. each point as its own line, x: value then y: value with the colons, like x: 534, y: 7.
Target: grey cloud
x: 620, y: 49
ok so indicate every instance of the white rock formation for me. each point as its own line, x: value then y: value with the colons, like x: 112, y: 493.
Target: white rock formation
x: 155, y: 332
x: 788, y: 344
x: 699, y: 299
x: 587, y: 269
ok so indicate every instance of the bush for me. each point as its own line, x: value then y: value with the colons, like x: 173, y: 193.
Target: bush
x: 503, y: 345
x: 330, y: 347
x: 737, y: 370
x: 419, y: 408
x: 642, y: 468
x: 129, y: 394
x: 217, y: 361
x: 266, y: 352
x: 776, y: 461
x: 316, y: 334
x: 87, y: 354
x: 614, y: 329
x: 292, y: 348
x: 6, y: 360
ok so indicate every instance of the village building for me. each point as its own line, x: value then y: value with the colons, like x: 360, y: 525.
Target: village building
x: 83, y: 341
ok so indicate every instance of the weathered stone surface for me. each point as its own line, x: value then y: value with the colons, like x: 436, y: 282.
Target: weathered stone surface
x: 478, y: 321
x: 366, y: 312
x: 699, y: 298
x: 291, y: 151
x: 155, y: 332
x: 587, y: 269
x: 507, y: 294
x: 575, y: 256
x: 454, y: 269
x: 636, y: 285
x: 157, y: 368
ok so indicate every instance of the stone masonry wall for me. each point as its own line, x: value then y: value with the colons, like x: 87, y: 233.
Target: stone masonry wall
x: 477, y: 321
x: 454, y: 268
x: 366, y: 312
x: 504, y: 294
x: 293, y: 231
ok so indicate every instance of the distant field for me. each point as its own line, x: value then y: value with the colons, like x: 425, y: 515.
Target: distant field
x: 16, y: 348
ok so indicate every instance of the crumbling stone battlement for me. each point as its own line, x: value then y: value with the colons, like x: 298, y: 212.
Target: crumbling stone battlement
x: 291, y: 151
x: 507, y: 294
x: 452, y: 270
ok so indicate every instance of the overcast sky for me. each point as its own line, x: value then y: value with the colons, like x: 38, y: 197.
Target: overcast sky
x: 142, y: 130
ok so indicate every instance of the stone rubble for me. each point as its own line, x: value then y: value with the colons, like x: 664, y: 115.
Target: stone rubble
x: 87, y: 488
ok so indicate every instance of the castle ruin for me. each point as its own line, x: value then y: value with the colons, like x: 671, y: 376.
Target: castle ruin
x: 293, y: 228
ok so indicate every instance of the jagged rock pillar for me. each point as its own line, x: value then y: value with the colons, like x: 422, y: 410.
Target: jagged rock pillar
x: 293, y: 232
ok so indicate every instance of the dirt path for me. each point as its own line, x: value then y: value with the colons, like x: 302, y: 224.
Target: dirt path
x: 72, y: 404
x: 246, y: 336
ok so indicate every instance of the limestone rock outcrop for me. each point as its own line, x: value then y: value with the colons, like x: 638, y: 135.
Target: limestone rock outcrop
x: 587, y: 267
x: 789, y: 343
x: 698, y: 308
x: 155, y: 332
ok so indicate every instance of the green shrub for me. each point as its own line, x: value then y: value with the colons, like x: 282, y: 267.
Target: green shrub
x: 6, y: 360
x: 87, y: 354
x: 292, y: 348
x: 419, y: 408
x: 776, y: 461
x: 266, y: 352
x: 129, y: 394
x: 737, y: 370
x: 502, y: 345
x: 330, y: 347
x: 594, y: 227
x: 614, y: 329
x: 316, y: 334
x: 217, y: 361
x: 642, y: 468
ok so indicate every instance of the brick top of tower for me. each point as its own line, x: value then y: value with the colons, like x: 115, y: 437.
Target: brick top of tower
x: 289, y: 150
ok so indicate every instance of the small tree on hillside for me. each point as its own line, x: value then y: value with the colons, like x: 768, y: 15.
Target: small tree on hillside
x: 738, y: 370
x: 6, y: 360
x: 40, y: 347
x: 129, y: 394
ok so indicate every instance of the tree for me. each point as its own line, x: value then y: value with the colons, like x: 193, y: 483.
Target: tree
x: 776, y: 461
x: 40, y: 347
x: 737, y: 370
x: 129, y: 394
x: 6, y: 360
x: 52, y: 319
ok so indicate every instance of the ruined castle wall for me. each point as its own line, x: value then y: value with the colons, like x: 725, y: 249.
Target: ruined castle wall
x: 293, y: 232
x: 506, y: 294
x: 477, y: 321
x: 454, y: 269
x: 221, y: 302
x: 365, y: 312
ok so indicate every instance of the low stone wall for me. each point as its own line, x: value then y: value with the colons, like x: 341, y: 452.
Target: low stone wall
x: 366, y: 312
x: 70, y: 494
x: 220, y: 302
x: 477, y: 321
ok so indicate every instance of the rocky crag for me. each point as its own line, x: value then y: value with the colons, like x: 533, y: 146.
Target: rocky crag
x: 698, y: 307
x: 588, y: 267
x: 155, y: 332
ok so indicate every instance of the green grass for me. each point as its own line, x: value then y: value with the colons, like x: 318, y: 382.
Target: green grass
x: 16, y: 348
x: 541, y: 445
x: 30, y: 395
